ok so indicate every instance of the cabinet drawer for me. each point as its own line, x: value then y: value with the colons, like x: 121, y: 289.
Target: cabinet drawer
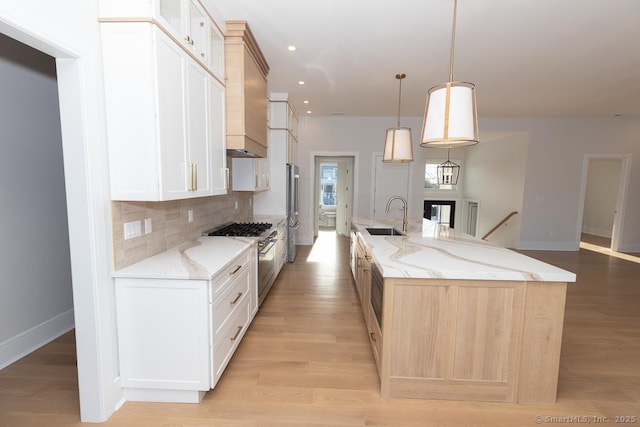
x: 236, y: 268
x: 230, y: 301
x: 375, y: 337
x: 229, y: 339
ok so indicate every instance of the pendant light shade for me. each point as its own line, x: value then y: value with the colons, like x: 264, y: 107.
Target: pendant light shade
x: 450, y: 112
x: 398, y: 145
x: 450, y: 118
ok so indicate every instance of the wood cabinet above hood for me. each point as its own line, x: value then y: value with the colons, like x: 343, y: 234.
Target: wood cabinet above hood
x: 246, y: 89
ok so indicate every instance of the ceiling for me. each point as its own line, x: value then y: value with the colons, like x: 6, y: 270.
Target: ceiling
x: 540, y: 58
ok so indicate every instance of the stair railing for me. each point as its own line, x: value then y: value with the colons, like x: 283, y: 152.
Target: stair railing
x: 498, y: 225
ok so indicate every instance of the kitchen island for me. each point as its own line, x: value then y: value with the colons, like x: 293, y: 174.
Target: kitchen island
x: 454, y: 317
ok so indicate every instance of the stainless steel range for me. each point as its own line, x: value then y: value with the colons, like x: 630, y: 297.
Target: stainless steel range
x: 267, y: 236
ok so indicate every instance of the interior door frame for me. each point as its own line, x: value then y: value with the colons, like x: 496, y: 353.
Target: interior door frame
x: 315, y: 182
x: 621, y: 201
x: 89, y: 218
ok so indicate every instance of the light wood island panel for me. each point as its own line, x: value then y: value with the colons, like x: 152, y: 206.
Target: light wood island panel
x: 471, y: 339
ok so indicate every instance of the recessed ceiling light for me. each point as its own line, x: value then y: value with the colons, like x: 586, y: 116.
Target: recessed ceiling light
x: 291, y: 48
x: 308, y: 111
x: 306, y: 102
x: 301, y: 82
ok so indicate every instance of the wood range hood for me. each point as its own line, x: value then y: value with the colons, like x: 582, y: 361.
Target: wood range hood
x: 246, y: 92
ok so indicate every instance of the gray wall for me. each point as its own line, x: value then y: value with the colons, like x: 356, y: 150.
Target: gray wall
x: 35, y: 287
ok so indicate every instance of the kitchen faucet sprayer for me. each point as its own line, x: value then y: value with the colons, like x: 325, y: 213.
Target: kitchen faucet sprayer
x: 404, y: 215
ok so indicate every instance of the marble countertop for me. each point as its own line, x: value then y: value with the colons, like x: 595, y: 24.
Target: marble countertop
x: 201, y: 259
x: 431, y: 251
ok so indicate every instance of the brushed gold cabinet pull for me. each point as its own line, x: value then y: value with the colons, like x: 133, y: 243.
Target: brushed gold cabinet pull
x: 190, y: 185
x: 195, y: 177
x: 237, y: 298
x: 226, y: 179
x: 236, y: 270
x: 233, y: 338
x: 373, y: 337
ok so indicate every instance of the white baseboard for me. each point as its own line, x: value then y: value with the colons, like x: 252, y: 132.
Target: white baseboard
x: 17, y: 347
x: 601, y: 232
x: 633, y: 248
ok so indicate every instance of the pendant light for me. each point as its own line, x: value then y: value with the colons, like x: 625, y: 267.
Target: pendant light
x: 397, y: 145
x: 450, y: 113
x: 448, y: 172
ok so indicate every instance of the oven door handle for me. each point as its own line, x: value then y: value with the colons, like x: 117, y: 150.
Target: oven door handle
x: 267, y: 247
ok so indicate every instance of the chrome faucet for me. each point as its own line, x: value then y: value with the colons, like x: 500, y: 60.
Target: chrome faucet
x: 404, y: 207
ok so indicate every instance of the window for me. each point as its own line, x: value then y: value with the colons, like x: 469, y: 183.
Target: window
x: 328, y: 180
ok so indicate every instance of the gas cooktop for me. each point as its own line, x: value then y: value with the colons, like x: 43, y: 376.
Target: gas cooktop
x: 245, y: 229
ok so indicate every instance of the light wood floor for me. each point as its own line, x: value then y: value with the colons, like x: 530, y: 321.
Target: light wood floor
x: 306, y: 361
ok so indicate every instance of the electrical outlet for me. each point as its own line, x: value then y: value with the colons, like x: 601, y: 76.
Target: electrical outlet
x: 147, y: 226
x: 132, y: 229
x: 190, y: 215
x: 236, y: 204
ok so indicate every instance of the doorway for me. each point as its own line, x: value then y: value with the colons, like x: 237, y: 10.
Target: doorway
x: 84, y: 150
x: 333, y: 195
x: 33, y: 210
x: 603, y: 198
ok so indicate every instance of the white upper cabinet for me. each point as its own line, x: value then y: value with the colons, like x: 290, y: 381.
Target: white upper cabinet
x: 186, y: 21
x: 216, y: 51
x: 162, y: 118
x: 250, y: 174
x: 217, y: 142
x: 164, y: 95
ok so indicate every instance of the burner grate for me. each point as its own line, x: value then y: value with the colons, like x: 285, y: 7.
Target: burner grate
x: 246, y: 229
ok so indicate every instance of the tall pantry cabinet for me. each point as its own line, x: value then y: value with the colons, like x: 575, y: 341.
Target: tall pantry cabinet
x: 165, y: 100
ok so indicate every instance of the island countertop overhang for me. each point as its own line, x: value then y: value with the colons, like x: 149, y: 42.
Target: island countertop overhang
x: 429, y: 251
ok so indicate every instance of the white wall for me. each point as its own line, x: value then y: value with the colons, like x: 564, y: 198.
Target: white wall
x: 552, y: 175
x: 363, y: 136
x: 601, y: 196
x: 494, y: 173
x: 35, y: 291
x: 555, y: 158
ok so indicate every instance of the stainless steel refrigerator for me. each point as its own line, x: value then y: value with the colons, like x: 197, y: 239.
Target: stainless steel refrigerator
x: 293, y: 222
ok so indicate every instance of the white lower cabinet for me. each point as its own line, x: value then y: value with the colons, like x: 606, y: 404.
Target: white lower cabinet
x: 176, y: 336
x: 281, y: 246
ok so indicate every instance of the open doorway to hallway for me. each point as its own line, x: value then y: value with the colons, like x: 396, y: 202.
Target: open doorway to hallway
x: 333, y: 198
x: 604, y: 183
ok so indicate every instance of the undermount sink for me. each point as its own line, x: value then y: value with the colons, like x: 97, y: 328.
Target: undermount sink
x: 374, y: 231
